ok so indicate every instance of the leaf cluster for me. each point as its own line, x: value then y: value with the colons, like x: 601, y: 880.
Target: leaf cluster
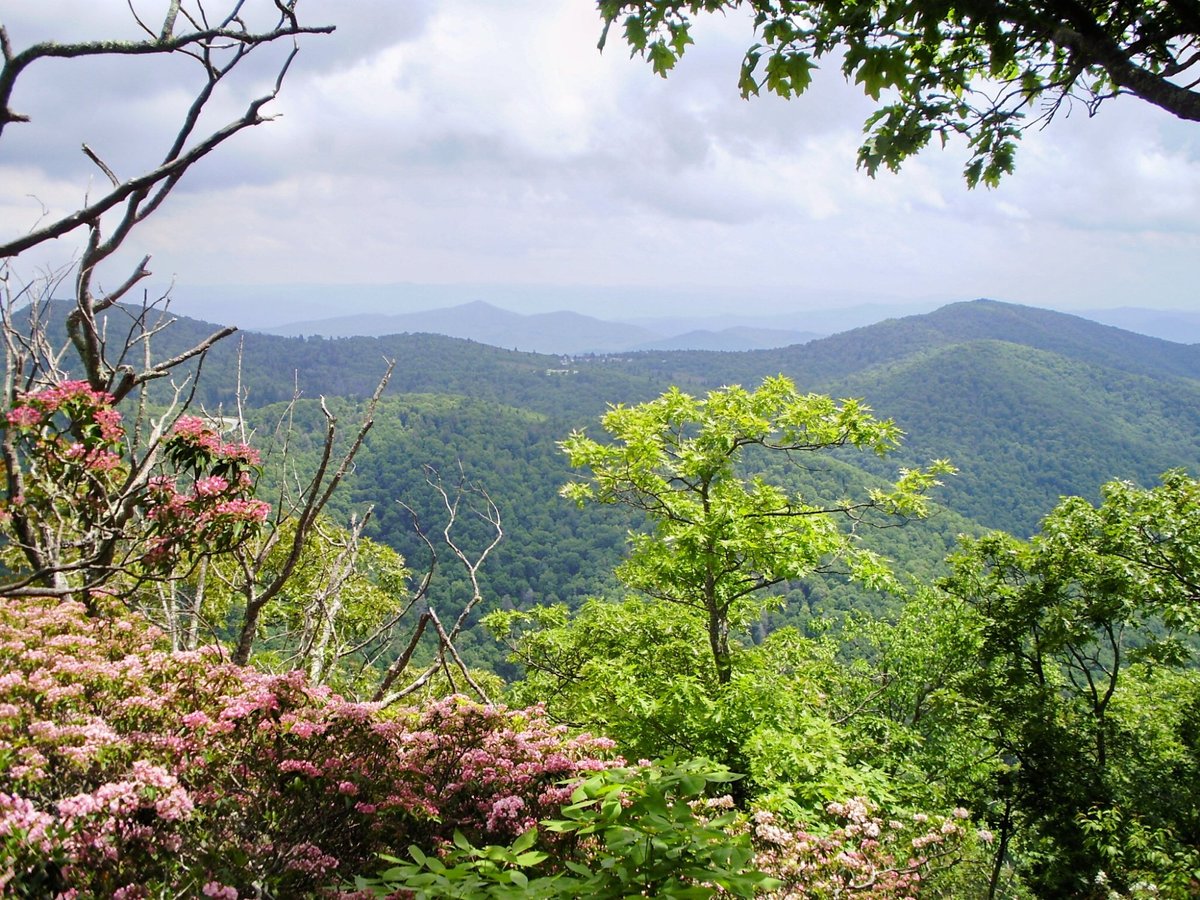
x: 980, y: 72
x: 633, y: 832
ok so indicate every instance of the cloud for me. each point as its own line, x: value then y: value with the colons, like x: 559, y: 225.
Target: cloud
x: 471, y: 141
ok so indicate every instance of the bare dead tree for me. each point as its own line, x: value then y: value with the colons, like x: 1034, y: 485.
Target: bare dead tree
x: 446, y: 660
x: 304, y: 511
x: 109, y: 341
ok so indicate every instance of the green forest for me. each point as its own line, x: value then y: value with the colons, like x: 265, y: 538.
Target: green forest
x: 984, y: 603
x: 909, y: 611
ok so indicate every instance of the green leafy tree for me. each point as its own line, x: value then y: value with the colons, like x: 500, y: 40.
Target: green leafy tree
x: 1087, y: 671
x: 641, y: 674
x: 982, y: 70
x: 722, y: 535
x: 902, y: 690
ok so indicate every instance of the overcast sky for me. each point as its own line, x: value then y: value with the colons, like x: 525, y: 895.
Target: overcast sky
x: 474, y: 142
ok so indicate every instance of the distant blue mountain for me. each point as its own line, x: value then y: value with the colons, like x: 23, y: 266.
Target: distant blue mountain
x: 733, y: 339
x: 557, y: 332
x: 573, y: 333
x: 1181, y: 326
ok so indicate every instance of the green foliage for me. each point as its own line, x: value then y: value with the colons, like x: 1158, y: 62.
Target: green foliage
x: 626, y: 832
x: 981, y: 73
x: 639, y: 672
x: 650, y: 839
x: 1087, y: 673
x: 632, y: 671
x: 467, y: 871
x: 722, y: 534
x: 902, y: 690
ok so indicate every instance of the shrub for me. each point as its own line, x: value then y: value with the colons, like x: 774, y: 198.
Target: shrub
x: 77, y: 500
x: 128, y: 771
x: 654, y: 831
x: 644, y: 831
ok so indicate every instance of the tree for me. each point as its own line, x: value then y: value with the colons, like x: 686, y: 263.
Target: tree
x: 640, y: 673
x: 1086, y: 671
x: 81, y: 514
x: 721, y: 535
x: 109, y: 345
x: 983, y: 70
x: 137, y: 506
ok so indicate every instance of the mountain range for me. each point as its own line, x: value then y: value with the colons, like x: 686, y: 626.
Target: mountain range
x: 573, y: 333
x: 560, y: 332
x: 1029, y: 405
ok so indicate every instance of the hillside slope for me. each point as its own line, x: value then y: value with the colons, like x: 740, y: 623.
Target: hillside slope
x: 1026, y: 426
x: 1030, y: 404
x: 830, y: 359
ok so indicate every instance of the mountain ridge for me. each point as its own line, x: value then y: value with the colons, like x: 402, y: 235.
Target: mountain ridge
x: 560, y: 332
x: 566, y: 332
x: 1034, y: 403
x: 828, y: 359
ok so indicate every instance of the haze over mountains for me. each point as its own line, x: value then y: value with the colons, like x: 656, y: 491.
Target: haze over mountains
x: 555, y: 332
x: 572, y: 333
x: 575, y: 321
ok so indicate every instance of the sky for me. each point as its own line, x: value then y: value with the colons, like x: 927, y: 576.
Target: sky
x: 469, y: 149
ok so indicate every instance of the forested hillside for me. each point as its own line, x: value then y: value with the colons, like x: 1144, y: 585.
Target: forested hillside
x: 415, y: 616
x: 1028, y: 404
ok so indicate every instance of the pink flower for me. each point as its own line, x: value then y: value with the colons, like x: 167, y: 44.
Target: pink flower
x: 103, y: 460
x: 244, y: 510
x: 24, y: 417
x: 197, y: 719
x: 219, y: 891
x: 211, y: 486
x: 303, y: 729
x: 300, y: 766
x: 109, y: 421
x: 19, y: 817
x: 505, y: 808
x: 242, y: 453
x: 190, y: 426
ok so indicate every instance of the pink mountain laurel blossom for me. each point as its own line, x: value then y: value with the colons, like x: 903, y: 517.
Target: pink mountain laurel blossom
x: 77, y: 479
x: 135, y: 771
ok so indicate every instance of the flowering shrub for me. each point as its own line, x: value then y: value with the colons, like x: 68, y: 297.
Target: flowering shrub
x: 862, y: 855
x: 129, y: 771
x: 652, y: 830
x: 79, y: 500
x: 218, y: 511
x: 70, y: 440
